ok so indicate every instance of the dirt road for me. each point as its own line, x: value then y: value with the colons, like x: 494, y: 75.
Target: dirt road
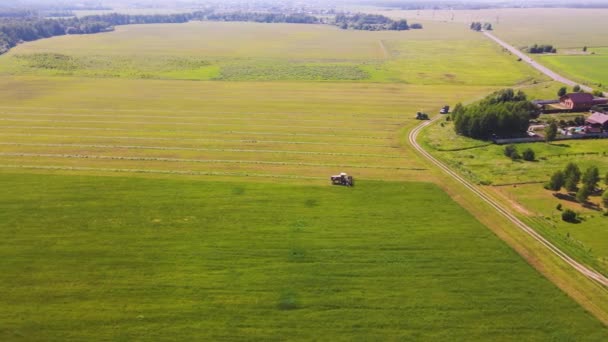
x: 586, y: 271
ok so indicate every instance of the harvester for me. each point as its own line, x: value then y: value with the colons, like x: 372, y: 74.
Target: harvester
x: 343, y: 179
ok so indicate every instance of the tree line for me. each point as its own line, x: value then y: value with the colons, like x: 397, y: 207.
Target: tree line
x: 372, y: 22
x: 25, y: 27
x: 503, y: 114
x: 538, y: 49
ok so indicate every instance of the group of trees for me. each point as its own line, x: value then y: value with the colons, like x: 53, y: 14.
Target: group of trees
x: 477, y: 26
x: 372, y: 22
x: 512, y: 152
x: 296, y: 18
x: 505, y: 113
x: 541, y: 49
x: 577, y: 89
x: 583, y: 185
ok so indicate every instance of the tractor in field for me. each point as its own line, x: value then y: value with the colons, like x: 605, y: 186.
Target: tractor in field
x: 343, y: 179
x: 445, y: 110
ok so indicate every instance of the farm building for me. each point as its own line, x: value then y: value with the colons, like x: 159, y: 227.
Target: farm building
x: 597, y: 123
x: 581, y: 101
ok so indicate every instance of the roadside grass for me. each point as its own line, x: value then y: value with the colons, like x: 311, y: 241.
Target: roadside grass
x: 129, y: 258
x: 279, y: 52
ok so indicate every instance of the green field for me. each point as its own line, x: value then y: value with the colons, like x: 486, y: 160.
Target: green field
x: 126, y: 258
x: 587, y: 69
x: 261, y: 52
x: 165, y: 183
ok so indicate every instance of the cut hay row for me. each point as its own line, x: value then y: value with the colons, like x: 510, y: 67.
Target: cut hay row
x: 194, y: 139
x: 114, y: 122
x: 169, y: 172
x: 291, y: 114
x: 368, y: 121
x: 190, y: 131
x: 209, y: 161
x: 165, y: 148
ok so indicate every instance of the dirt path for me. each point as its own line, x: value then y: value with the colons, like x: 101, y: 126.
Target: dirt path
x: 552, y: 74
x: 502, y: 210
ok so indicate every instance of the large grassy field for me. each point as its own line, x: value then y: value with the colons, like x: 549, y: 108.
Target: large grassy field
x: 110, y: 258
x: 163, y: 250
x: 439, y: 54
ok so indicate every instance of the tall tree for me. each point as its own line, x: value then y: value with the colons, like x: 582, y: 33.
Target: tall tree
x: 557, y: 181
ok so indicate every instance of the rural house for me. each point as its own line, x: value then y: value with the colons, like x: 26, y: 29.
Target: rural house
x: 597, y: 123
x: 580, y: 102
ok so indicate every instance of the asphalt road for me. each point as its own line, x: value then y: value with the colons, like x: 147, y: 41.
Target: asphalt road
x: 504, y: 211
x: 553, y: 75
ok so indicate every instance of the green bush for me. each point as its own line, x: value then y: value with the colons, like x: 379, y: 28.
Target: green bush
x: 529, y: 155
x: 570, y: 216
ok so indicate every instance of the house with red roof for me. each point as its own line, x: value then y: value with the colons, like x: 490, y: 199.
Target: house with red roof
x: 581, y: 102
x: 596, y: 123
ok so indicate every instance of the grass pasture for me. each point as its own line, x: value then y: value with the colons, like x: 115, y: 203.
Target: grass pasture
x: 278, y: 52
x: 130, y: 258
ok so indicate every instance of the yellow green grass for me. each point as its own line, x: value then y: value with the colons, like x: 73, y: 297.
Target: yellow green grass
x: 562, y: 27
x: 261, y: 52
x: 268, y: 129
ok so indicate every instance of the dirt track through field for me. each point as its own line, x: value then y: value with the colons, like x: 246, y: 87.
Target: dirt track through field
x: 584, y: 270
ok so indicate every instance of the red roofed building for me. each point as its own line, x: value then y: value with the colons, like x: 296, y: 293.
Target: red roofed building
x: 597, y: 123
x: 581, y: 101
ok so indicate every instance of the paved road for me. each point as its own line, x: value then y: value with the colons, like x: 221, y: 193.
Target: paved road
x: 553, y: 75
x: 586, y: 271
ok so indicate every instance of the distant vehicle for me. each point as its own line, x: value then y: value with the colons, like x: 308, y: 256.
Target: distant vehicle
x: 343, y: 179
x: 422, y: 116
x: 445, y: 110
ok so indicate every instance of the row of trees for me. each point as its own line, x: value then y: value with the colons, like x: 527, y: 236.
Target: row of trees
x: 576, y: 182
x: 372, y: 22
x: 577, y: 89
x: 505, y: 113
x: 541, y: 49
x: 296, y: 18
x: 14, y: 30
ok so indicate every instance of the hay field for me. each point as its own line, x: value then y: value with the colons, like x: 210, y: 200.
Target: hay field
x: 439, y: 54
x: 295, y: 130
